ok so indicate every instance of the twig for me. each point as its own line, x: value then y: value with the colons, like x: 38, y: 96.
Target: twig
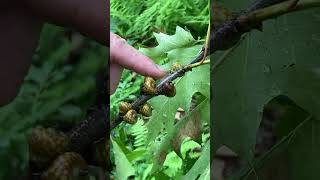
x: 143, y: 98
x: 94, y: 127
x: 281, y: 9
x: 198, y: 63
x: 206, y: 46
x: 228, y: 34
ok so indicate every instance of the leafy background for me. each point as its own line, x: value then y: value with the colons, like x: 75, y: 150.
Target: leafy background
x: 58, y: 89
x: 282, y: 60
x: 161, y: 147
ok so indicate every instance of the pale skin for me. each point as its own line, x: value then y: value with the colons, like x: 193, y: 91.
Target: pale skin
x: 20, y: 27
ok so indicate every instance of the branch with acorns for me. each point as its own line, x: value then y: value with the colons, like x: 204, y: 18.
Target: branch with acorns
x: 51, y: 149
x: 222, y: 37
x: 128, y: 111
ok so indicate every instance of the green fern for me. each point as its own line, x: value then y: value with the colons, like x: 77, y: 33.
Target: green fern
x: 139, y: 131
x: 54, y: 93
x: 137, y: 20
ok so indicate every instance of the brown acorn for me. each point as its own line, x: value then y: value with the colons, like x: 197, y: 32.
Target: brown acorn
x: 130, y: 117
x: 124, y: 107
x: 168, y: 90
x: 45, y: 144
x: 67, y: 166
x: 149, y: 86
x: 145, y: 110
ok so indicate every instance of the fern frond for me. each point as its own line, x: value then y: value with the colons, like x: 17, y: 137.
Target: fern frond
x: 139, y: 132
x: 138, y: 19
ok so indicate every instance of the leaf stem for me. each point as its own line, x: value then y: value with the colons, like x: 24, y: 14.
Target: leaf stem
x: 198, y: 64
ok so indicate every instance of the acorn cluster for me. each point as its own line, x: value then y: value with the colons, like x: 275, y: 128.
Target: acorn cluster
x: 45, y: 144
x: 149, y: 87
x: 51, y: 156
x: 49, y: 152
x: 129, y: 115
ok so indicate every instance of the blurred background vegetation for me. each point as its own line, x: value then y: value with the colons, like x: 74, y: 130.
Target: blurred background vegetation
x: 58, y: 89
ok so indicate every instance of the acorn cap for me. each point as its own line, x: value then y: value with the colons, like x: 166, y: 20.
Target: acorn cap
x: 65, y: 166
x: 130, y: 117
x: 124, y: 107
x: 149, y: 86
x: 175, y: 66
x: 145, y: 110
x: 45, y: 144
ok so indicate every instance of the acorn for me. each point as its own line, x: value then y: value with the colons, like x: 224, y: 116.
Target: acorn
x: 168, y: 90
x: 67, y: 166
x: 124, y: 107
x: 175, y: 67
x: 130, y: 117
x: 145, y: 110
x: 149, y: 86
x: 45, y: 144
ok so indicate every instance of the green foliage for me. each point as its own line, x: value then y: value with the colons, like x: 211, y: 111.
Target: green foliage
x: 201, y: 166
x: 189, y: 145
x: 55, y: 93
x: 124, y: 169
x: 193, y: 82
x: 172, y: 164
x: 147, y: 145
x: 180, y: 39
x: 139, y: 132
x: 144, y: 142
x: 165, y: 108
x: 283, y: 60
x: 136, y: 20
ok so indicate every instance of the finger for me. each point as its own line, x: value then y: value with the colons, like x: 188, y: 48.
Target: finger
x: 90, y: 17
x: 127, y: 56
x: 115, y: 75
